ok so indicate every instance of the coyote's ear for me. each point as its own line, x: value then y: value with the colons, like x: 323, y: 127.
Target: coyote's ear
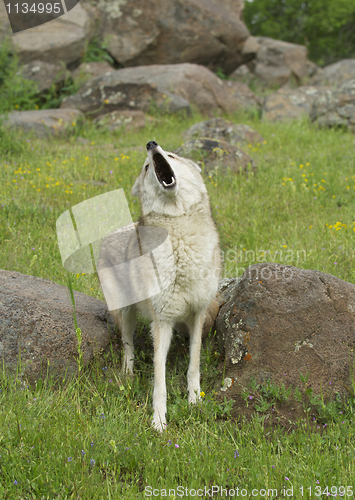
x: 194, y: 165
x: 136, y: 188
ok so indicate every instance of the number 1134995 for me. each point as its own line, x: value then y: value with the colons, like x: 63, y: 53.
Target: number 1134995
x: 340, y: 491
x: 39, y: 8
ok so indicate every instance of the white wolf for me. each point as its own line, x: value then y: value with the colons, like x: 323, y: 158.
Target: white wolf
x: 173, y: 197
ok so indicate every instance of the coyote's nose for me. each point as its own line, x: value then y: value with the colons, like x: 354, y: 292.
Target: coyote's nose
x: 151, y: 145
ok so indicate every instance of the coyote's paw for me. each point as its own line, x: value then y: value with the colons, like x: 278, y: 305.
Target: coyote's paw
x: 194, y: 399
x: 127, y: 373
x: 194, y: 395
x: 159, y: 424
x: 127, y: 368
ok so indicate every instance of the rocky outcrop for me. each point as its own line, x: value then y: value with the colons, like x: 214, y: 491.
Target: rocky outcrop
x: 335, y: 74
x: 36, y: 323
x: 44, y: 122
x: 44, y: 74
x: 159, y: 32
x: 217, y: 154
x: 291, y: 104
x: 221, y: 129
x: 170, y: 88
x: 155, y: 32
x: 276, y: 63
x: 336, y: 108
x: 62, y: 39
x: 278, y: 322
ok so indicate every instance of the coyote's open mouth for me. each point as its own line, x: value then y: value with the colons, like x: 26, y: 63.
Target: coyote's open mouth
x: 163, y: 171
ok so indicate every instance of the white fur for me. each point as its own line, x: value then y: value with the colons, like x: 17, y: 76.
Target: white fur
x: 185, y: 213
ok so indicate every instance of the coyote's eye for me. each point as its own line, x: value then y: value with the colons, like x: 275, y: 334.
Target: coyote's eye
x: 146, y: 167
x: 170, y: 156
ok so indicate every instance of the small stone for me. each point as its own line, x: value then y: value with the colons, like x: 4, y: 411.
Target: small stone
x: 227, y: 383
x: 217, y: 154
x: 221, y: 129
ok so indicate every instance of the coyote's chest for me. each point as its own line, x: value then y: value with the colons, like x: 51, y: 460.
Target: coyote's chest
x: 194, y: 244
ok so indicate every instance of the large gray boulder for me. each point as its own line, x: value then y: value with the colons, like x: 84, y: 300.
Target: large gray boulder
x: 158, y: 32
x: 170, y: 88
x: 36, y: 323
x: 276, y: 63
x: 336, y: 108
x: 335, y: 74
x: 278, y: 322
x: 44, y: 122
x: 62, y: 39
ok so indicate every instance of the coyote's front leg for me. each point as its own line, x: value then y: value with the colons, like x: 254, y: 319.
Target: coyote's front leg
x: 162, y: 333
x: 193, y: 374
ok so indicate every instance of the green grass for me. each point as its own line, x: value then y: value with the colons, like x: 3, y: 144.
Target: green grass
x: 299, y: 208
x: 90, y: 437
x: 96, y: 52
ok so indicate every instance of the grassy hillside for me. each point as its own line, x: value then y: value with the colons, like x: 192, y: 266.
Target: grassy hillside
x: 298, y: 209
